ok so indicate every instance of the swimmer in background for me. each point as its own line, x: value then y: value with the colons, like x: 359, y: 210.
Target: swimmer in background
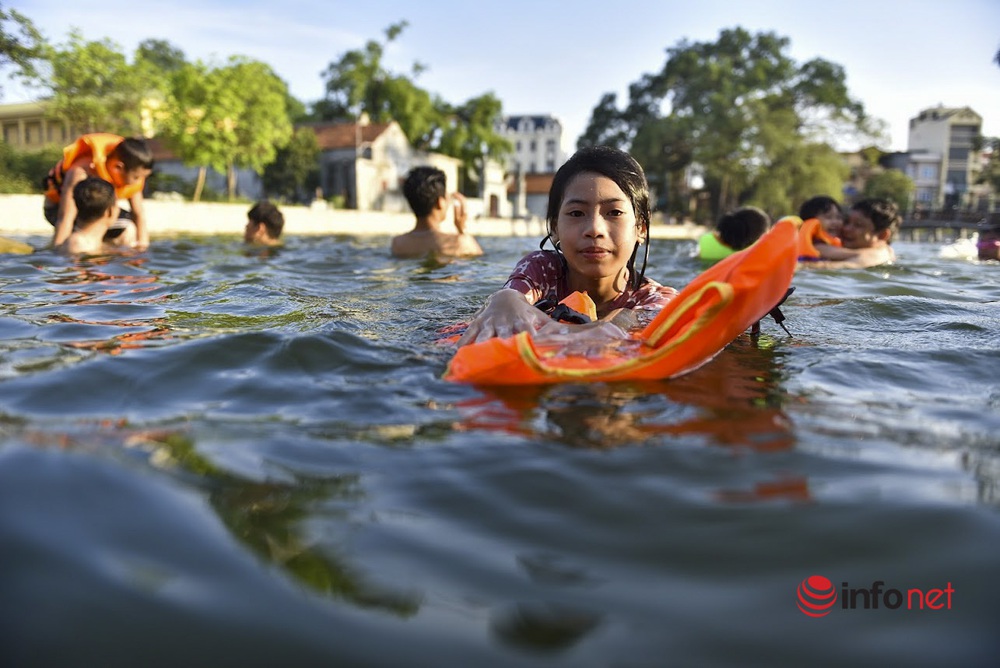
x: 988, y: 243
x: 426, y: 192
x: 598, y: 219
x: 126, y: 163
x: 735, y: 231
x: 96, y: 207
x: 865, y: 236
x: 826, y: 210
x: 264, y: 225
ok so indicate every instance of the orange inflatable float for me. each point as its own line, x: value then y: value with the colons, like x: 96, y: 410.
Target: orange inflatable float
x: 715, y: 308
x: 811, y: 231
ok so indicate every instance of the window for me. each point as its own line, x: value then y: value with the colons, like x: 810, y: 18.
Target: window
x: 928, y: 172
x: 534, y: 145
x: 958, y: 153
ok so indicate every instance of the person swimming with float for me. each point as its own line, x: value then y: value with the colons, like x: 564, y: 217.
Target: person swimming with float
x: 598, y: 218
x: 988, y: 239
x: 821, y: 221
x: 735, y: 231
x: 865, y: 237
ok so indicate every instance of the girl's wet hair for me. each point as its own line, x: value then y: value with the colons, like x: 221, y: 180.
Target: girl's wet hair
x: 627, y: 174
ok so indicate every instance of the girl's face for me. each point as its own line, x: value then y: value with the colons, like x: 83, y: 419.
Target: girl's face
x: 597, y: 230
x: 832, y: 220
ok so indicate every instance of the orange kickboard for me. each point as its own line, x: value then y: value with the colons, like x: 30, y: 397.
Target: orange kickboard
x: 709, y: 313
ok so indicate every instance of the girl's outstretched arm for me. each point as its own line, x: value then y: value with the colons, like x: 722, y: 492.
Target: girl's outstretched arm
x: 505, y: 314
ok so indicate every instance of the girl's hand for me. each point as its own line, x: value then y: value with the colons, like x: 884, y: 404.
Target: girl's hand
x: 589, y: 334
x: 506, y: 313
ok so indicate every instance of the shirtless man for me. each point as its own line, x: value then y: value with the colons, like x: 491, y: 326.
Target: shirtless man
x: 426, y: 192
x: 866, y: 236
x: 96, y: 210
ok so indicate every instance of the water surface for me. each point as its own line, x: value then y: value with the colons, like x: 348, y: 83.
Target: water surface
x: 214, y: 457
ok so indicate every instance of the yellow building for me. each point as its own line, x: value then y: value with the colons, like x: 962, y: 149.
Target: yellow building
x: 26, y: 127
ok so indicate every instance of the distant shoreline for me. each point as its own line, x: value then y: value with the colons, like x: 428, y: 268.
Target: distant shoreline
x: 22, y: 216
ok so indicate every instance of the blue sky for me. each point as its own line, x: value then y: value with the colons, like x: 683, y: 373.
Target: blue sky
x: 560, y: 57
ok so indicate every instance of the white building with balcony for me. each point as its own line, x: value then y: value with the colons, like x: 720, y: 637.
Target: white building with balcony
x: 943, y: 162
x: 537, y: 142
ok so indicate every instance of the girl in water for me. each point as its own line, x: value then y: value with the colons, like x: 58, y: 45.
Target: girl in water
x: 598, y: 218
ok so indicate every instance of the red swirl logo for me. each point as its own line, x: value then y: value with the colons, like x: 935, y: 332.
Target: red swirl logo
x: 816, y: 596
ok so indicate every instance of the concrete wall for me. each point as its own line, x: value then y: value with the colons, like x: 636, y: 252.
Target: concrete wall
x: 21, y: 216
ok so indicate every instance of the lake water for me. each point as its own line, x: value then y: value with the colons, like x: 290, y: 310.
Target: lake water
x: 210, y: 457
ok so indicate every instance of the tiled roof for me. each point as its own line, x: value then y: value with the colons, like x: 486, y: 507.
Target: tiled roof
x: 332, y: 136
x: 535, y: 121
x: 534, y: 184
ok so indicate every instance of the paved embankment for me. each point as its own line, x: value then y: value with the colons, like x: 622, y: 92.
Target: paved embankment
x: 21, y: 215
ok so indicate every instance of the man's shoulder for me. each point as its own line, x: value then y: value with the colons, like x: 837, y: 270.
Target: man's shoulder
x: 418, y: 243
x: 415, y: 243
x: 872, y: 257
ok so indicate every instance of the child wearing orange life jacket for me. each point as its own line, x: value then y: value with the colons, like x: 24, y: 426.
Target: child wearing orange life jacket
x: 124, y: 163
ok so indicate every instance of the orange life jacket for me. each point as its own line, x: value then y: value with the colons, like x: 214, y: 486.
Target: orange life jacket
x: 90, y: 152
x: 811, y: 231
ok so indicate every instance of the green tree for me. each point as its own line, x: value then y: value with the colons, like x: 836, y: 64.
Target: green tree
x: 20, y: 171
x: 360, y: 83
x: 295, y: 171
x: 990, y: 174
x: 891, y: 184
x: 228, y: 117
x: 469, y: 134
x: 21, y: 45
x: 94, y: 88
x: 161, y: 56
x: 739, y: 108
x: 188, y: 128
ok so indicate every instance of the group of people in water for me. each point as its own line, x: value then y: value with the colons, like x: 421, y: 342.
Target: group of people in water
x: 859, y: 239
x: 598, y: 221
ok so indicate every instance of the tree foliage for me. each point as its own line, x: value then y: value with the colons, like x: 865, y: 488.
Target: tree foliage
x: 227, y: 117
x: 740, y: 109
x: 468, y: 134
x: 20, y: 170
x: 294, y: 174
x: 991, y: 171
x: 21, y: 45
x: 94, y: 87
x: 891, y: 184
x: 360, y: 83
